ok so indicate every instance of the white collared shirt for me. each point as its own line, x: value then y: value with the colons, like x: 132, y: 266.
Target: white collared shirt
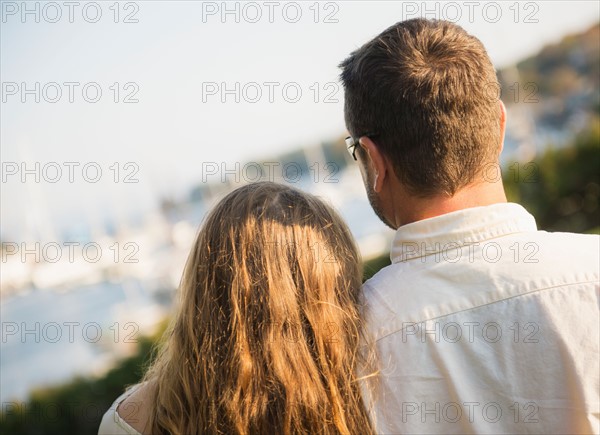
x: 482, y: 324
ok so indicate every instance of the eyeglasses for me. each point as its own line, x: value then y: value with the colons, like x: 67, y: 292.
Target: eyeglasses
x: 352, y: 143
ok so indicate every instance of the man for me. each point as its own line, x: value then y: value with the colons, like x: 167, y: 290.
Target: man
x: 482, y: 323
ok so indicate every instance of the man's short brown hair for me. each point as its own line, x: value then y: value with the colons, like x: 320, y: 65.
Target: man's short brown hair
x: 427, y: 92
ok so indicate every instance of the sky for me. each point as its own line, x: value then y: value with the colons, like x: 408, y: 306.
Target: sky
x: 154, y: 91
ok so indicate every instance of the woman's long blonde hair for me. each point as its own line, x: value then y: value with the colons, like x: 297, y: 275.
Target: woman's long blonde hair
x: 265, y: 339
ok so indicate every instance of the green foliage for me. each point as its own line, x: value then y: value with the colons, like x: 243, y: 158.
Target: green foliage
x: 373, y: 266
x: 562, y: 187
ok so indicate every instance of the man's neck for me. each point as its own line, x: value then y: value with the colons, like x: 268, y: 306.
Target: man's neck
x: 412, y: 209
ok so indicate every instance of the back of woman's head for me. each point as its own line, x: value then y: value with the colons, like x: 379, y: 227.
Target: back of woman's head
x: 266, y: 336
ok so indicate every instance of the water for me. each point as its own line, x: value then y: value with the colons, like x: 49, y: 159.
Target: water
x: 69, y: 333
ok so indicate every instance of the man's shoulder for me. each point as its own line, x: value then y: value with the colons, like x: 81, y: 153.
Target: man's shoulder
x: 570, y: 237
x: 521, y: 265
x: 559, y: 247
x: 502, y: 267
x: 552, y: 247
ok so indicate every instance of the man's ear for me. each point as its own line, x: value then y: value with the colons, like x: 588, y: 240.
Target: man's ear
x: 502, y: 126
x: 377, y: 162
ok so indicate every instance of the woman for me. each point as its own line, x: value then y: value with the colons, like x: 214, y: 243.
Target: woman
x: 265, y: 339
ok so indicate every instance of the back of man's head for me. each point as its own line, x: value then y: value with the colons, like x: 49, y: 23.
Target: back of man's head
x: 427, y: 93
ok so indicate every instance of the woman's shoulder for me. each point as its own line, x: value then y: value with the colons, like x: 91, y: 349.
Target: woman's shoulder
x: 129, y: 413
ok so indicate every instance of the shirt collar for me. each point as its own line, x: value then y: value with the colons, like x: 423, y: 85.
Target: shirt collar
x: 459, y: 228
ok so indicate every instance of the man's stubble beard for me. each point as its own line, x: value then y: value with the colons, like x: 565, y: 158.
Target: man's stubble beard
x: 375, y: 201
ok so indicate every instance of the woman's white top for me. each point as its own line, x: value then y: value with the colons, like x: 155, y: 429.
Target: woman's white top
x: 113, y: 423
